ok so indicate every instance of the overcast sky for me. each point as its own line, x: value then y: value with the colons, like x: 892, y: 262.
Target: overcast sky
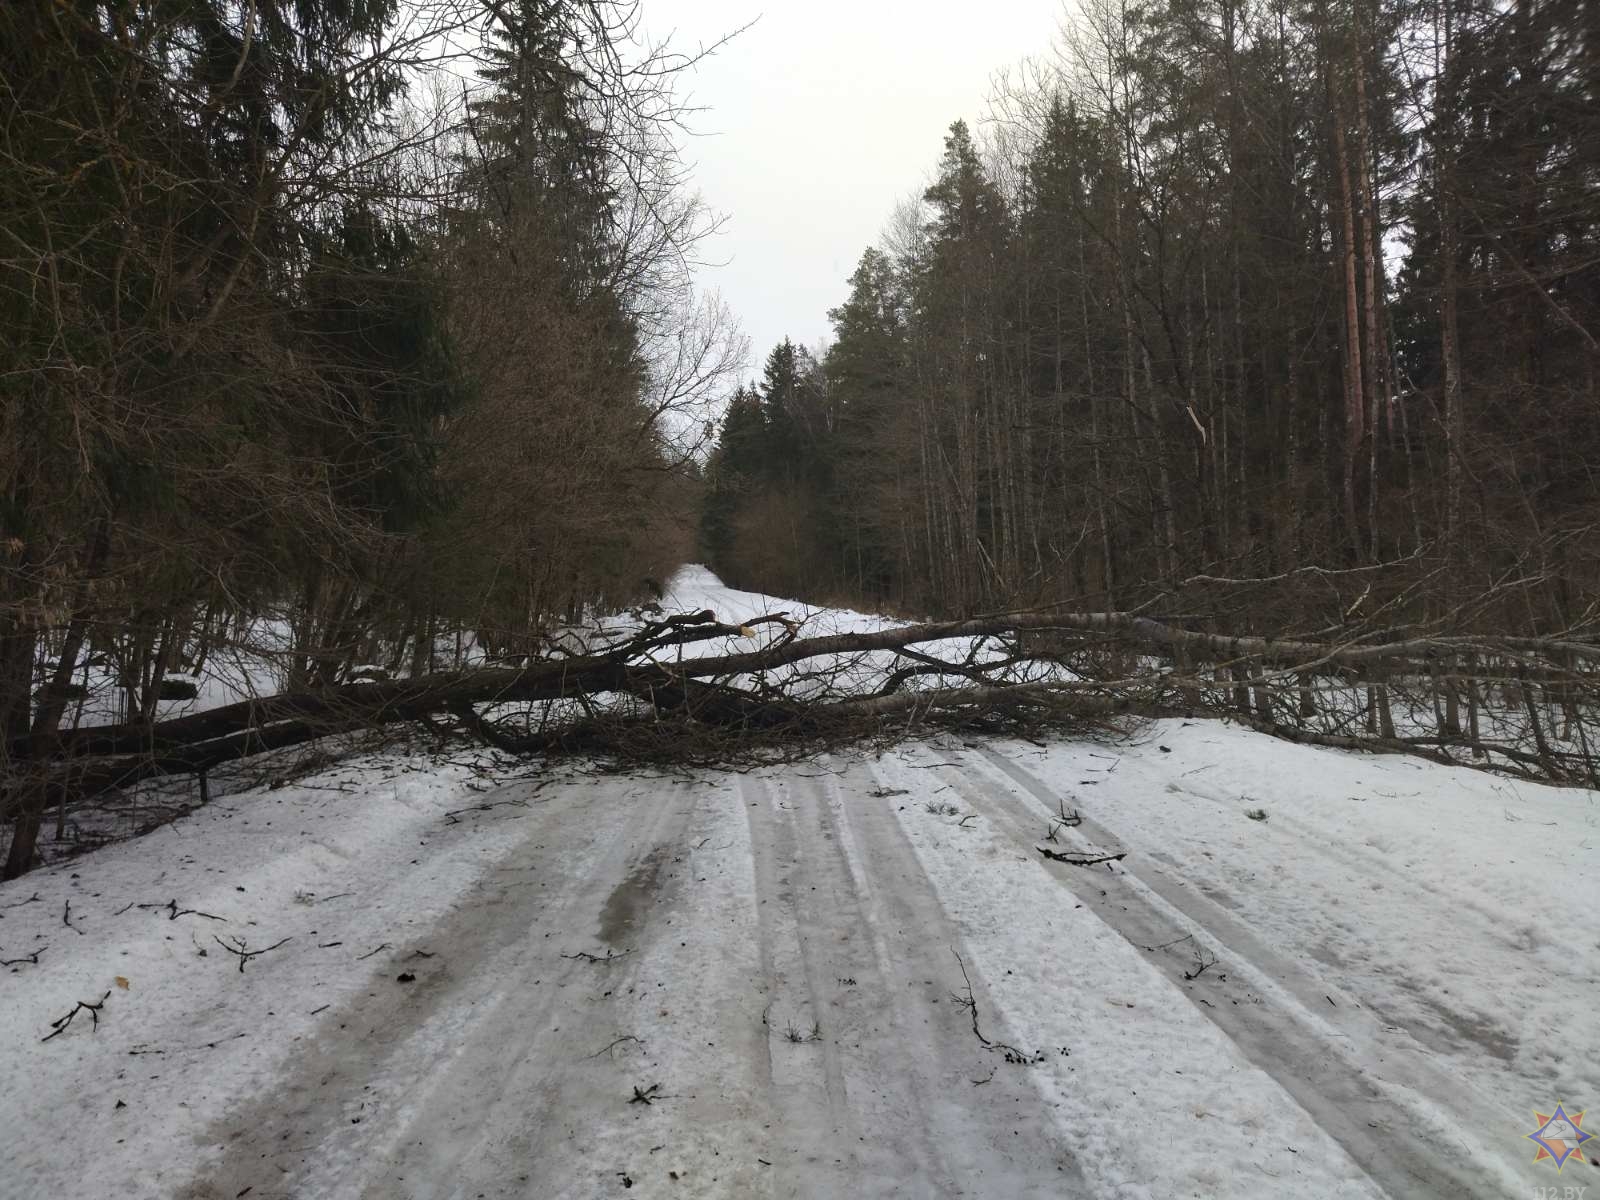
x: 819, y: 120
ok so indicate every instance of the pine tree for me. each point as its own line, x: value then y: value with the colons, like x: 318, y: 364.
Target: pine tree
x: 737, y: 466
x: 958, y: 321
x: 537, y: 146
x: 866, y: 377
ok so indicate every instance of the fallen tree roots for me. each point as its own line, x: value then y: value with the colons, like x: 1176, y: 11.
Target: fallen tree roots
x: 1522, y: 705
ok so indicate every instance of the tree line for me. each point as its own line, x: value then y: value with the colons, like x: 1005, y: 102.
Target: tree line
x: 340, y: 327
x: 1229, y: 293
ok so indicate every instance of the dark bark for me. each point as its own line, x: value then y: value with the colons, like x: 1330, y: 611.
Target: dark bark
x: 30, y: 785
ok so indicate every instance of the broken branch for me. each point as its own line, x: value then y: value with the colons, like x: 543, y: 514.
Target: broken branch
x: 245, y: 955
x: 1080, y: 860
x: 60, y: 1024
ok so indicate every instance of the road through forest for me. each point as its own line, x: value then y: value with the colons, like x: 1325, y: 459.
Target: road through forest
x: 418, y: 974
x: 753, y: 985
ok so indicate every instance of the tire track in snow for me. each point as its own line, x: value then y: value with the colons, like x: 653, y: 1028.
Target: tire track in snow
x: 467, y: 1074
x: 804, y: 1078
x: 888, y: 1107
x: 1268, y: 1008
x: 479, y: 1078
x: 1019, y: 1149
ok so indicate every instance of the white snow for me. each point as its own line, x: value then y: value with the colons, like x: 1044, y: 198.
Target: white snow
x: 1398, y: 926
x: 1400, y: 966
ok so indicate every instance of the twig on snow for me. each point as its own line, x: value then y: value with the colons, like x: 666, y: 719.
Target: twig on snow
x: 454, y: 816
x: 610, y: 957
x: 244, y: 955
x: 30, y: 959
x: 1062, y: 820
x: 59, y: 1025
x: 66, y: 919
x: 143, y: 1049
x: 970, y: 1003
x: 1174, y: 942
x: 1081, y: 860
x: 627, y: 1037
x: 379, y: 950
x: 174, y: 912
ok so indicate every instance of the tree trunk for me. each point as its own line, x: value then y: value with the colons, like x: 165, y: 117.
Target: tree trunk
x: 1354, y: 401
x: 31, y: 791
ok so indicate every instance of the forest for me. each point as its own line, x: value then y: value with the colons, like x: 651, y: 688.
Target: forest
x: 1118, y: 716
x: 363, y: 340
x: 343, y: 327
x: 1277, y: 314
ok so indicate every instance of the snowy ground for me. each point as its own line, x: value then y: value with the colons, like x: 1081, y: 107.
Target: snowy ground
x: 482, y: 988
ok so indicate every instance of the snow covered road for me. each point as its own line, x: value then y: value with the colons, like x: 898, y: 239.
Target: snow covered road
x: 756, y: 984
x: 788, y: 1005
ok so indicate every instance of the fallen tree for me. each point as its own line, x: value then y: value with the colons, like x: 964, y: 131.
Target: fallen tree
x: 631, y: 666
x: 643, y: 697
